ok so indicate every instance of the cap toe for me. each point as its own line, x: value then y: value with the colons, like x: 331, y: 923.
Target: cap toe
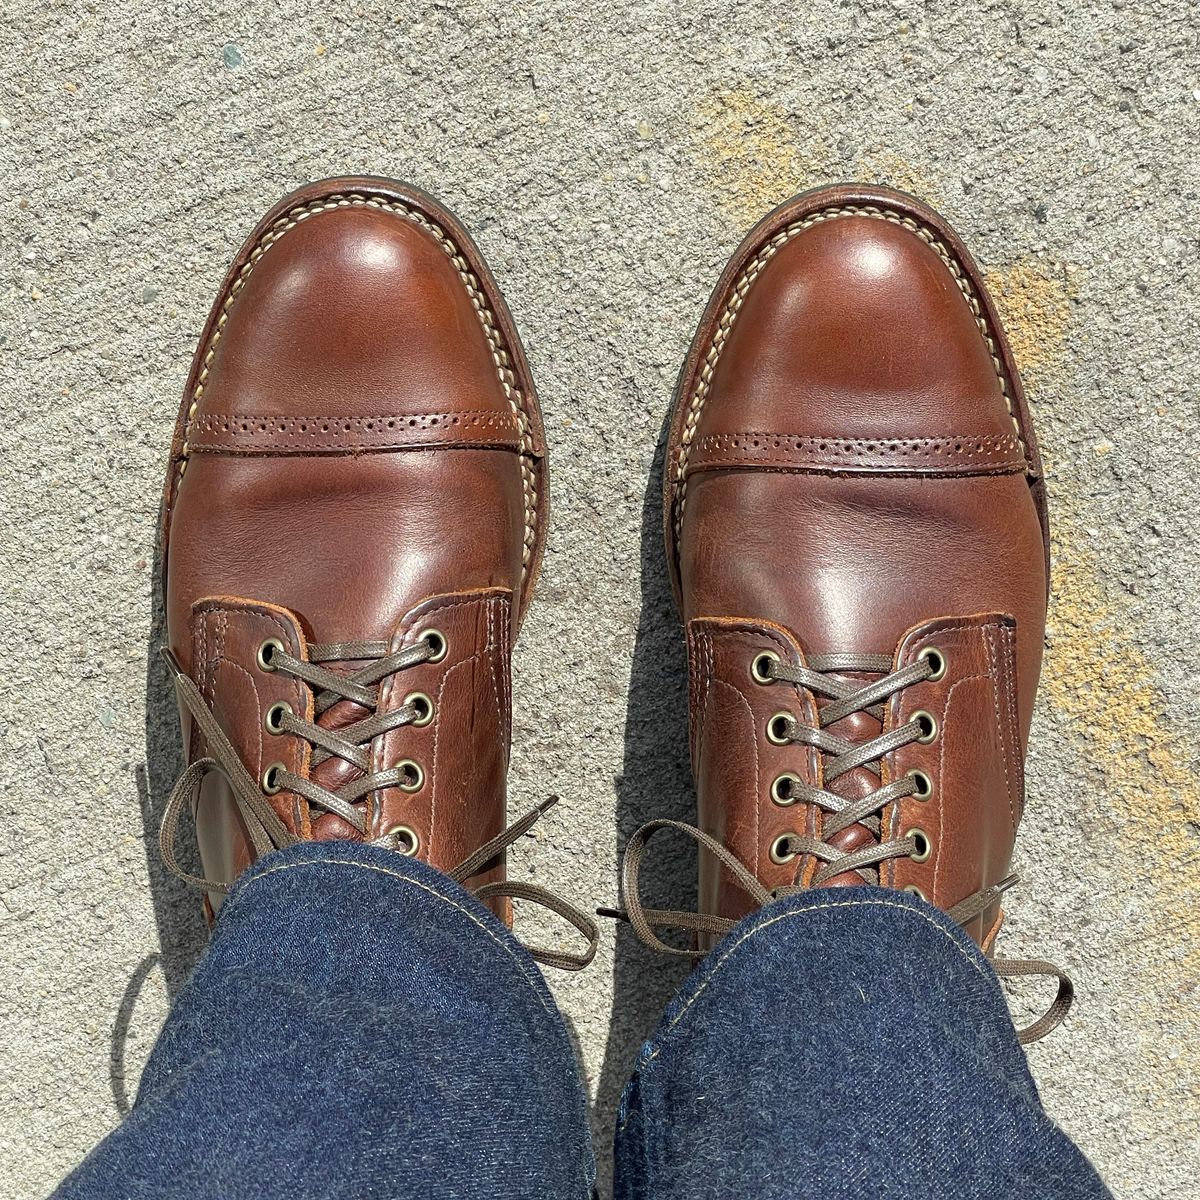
x: 858, y: 327
x: 349, y: 311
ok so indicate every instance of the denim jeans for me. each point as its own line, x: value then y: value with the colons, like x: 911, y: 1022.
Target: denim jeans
x: 361, y: 1027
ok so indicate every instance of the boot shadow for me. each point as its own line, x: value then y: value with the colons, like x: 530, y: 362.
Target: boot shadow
x: 656, y: 781
x: 178, y: 911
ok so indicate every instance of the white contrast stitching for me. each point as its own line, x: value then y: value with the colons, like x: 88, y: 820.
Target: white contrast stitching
x: 349, y: 862
x: 501, y: 357
x: 742, y: 289
x: 795, y: 912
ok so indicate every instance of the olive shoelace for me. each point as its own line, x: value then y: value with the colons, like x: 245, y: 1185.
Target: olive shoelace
x: 352, y: 744
x: 823, y: 676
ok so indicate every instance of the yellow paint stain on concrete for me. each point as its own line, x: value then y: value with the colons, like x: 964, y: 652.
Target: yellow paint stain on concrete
x: 1099, y: 678
x: 754, y: 153
x: 1147, y: 795
x: 1035, y: 306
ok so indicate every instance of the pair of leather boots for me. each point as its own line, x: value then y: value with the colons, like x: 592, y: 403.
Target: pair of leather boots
x: 855, y: 517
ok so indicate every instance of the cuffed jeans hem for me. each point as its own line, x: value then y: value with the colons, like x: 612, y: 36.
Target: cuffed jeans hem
x: 842, y: 1043
x: 359, y: 1027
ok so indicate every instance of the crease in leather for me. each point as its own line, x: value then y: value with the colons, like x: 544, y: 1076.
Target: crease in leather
x: 941, y: 877
x: 457, y: 787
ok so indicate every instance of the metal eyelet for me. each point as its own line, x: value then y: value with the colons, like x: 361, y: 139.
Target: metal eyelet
x: 924, y: 846
x: 924, y: 785
x: 270, y: 778
x: 913, y: 890
x: 273, y: 717
x: 936, y: 660
x: 423, y: 704
x: 779, y: 727
x: 407, y: 839
x: 412, y: 778
x: 267, y: 651
x: 783, y: 789
x: 779, y: 854
x: 759, y: 671
x: 928, y: 722
x: 435, y: 639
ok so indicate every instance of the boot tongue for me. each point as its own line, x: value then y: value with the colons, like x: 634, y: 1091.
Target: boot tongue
x: 855, y: 784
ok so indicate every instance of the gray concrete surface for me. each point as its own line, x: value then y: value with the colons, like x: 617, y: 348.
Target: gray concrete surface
x: 607, y: 158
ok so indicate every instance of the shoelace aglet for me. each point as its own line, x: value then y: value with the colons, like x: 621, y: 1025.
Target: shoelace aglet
x: 168, y: 656
x: 1007, y: 882
x: 546, y: 805
x: 616, y: 914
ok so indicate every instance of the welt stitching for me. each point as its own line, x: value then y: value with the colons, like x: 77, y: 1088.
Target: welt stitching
x: 711, y: 973
x: 754, y: 268
x: 407, y: 879
x: 502, y: 357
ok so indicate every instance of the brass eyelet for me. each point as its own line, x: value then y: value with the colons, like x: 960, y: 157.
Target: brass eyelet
x: 779, y: 854
x: 928, y: 722
x: 273, y: 717
x: 270, y: 778
x: 923, y: 848
x: 779, y: 727
x: 267, y: 651
x: 412, y: 778
x: 937, y: 662
x: 423, y: 703
x: 783, y: 789
x: 924, y: 785
x: 913, y: 890
x: 406, y: 839
x: 435, y: 639
x: 759, y: 671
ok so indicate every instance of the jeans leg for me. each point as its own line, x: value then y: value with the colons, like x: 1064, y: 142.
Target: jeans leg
x: 837, y: 1045
x: 360, y: 1027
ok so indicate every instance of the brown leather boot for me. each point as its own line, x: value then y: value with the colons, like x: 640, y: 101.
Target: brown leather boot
x: 856, y: 530
x: 354, y: 517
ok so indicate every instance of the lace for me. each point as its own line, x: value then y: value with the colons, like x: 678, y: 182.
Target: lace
x: 266, y: 829
x: 823, y: 677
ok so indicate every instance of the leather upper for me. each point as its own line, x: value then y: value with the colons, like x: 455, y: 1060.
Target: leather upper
x: 852, y: 470
x: 359, y: 457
